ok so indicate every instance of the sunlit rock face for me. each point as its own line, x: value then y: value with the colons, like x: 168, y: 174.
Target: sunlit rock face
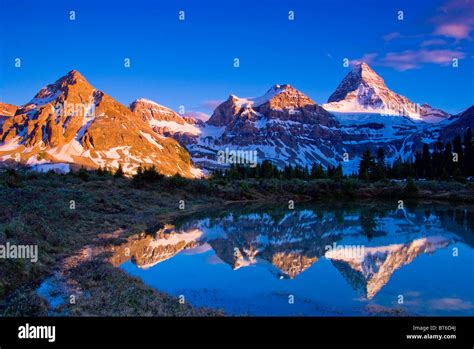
x: 167, y: 122
x: 283, y: 125
x: 7, y: 110
x: 363, y: 90
x: 71, y: 122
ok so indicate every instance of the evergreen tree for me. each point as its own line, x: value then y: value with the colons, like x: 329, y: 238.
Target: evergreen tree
x: 419, y: 167
x: 396, y: 169
x: 468, y: 154
x: 83, y: 174
x: 448, y: 159
x: 321, y: 171
x: 331, y: 171
x: 119, y: 172
x: 437, y: 159
x: 366, y: 165
x: 338, y: 173
x: 267, y: 169
x: 458, y: 156
x: 426, y: 162
x: 287, y: 171
x: 317, y: 171
x: 380, y: 168
x: 306, y: 175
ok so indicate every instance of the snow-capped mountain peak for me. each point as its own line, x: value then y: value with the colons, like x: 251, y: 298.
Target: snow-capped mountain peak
x: 366, y: 73
x: 163, y: 120
x: 361, y: 75
x: 149, y: 110
x: 363, y: 91
x: 147, y: 101
x: 69, y: 122
x: 253, y: 102
x: 283, y: 126
x: 282, y: 102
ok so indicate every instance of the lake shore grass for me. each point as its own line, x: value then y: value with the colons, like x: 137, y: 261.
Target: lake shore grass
x: 63, y: 214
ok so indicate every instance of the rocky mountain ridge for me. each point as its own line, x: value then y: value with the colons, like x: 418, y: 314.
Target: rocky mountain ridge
x: 71, y: 122
x: 284, y: 126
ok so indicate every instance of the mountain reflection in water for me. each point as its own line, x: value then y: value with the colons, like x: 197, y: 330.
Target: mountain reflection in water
x: 332, y: 259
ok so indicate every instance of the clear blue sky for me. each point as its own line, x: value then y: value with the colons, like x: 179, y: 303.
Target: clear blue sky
x: 190, y: 63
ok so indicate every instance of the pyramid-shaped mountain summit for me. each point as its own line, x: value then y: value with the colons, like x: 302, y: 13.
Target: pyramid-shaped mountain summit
x: 363, y: 91
x: 71, y: 122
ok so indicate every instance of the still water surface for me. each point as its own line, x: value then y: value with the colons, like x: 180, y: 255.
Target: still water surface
x: 321, y: 259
